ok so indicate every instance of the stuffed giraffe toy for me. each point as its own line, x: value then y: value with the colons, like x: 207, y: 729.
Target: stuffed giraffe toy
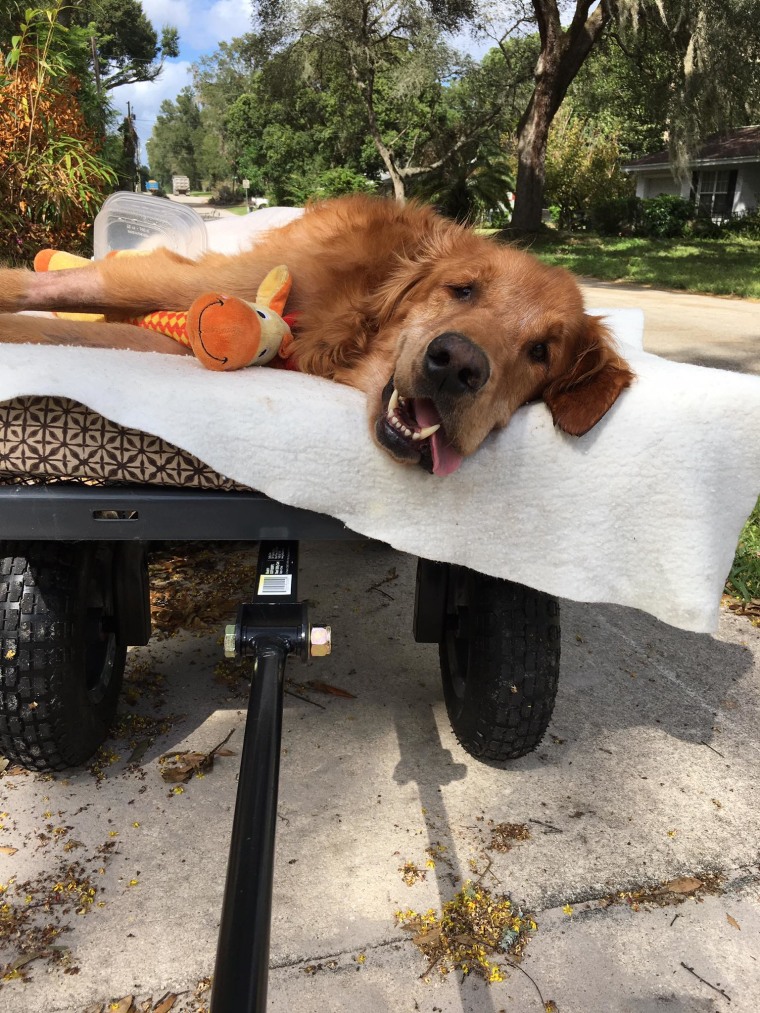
x: 223, y: 332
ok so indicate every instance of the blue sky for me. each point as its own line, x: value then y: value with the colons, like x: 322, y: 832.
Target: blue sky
x: 202, y: 25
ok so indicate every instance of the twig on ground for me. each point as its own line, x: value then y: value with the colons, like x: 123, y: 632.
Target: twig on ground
x: 704, y: 982
x: 549, y: 827
x: 703, y: 743
x: 531, y: 980
x: 301, y: 696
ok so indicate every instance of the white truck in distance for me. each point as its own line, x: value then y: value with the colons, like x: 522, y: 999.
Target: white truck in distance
x: 180, y: 184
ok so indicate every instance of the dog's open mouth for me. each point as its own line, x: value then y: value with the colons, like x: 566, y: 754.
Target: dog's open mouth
x: 411, y: 429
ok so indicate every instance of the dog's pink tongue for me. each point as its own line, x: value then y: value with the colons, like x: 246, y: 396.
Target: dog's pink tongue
x: 445, y: 458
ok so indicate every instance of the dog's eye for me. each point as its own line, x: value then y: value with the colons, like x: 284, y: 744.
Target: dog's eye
x: 461, y: 292
x: 538, y: 352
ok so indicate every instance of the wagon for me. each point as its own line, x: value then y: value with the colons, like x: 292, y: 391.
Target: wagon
x: 74, y: 595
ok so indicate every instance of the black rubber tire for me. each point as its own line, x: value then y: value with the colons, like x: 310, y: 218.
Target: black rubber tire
x: 60, y: 665
x: 500, y: 657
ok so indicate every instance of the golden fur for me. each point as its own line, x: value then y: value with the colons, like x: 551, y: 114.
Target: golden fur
x: 374, y: 285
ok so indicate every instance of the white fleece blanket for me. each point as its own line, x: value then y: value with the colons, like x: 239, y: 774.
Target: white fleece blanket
x: 645, y: 510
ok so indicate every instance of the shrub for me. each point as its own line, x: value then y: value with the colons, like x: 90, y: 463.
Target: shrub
x: 665, y: 217
x: 746, y: 224
x: 224, y: 195
x: 613, y: 216
x: 52, y: 177
x: 703, y: 227
x: 580, y: 165
x: 340, y: 181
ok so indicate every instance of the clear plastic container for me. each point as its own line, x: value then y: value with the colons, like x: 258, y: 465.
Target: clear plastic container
x: 138, y: 221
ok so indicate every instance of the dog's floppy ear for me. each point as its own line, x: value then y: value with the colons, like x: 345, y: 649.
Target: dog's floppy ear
x: 582, y: 395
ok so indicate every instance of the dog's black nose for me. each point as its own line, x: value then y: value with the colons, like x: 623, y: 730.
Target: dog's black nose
x: 455, y: 365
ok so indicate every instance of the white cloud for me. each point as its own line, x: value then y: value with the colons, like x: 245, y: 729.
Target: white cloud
x: 202, y: 25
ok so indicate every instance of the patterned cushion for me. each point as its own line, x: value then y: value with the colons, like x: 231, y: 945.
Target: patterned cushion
x: 53, y: 439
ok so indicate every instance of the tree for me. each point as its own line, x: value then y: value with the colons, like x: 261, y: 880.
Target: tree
x: 125, y: 46
x: 561, y: 55
x: 706, y: 81
x: 390, y: 54
x: 177, y: 139
x: 623, y: 90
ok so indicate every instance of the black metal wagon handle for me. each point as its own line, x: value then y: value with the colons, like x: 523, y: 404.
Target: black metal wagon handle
x: 272, y: 628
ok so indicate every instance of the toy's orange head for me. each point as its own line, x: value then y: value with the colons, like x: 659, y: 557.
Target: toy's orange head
x: 228, y: 333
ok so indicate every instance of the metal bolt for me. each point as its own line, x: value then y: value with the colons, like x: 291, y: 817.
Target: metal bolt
x: 230, y: 636
x: 320, y: 641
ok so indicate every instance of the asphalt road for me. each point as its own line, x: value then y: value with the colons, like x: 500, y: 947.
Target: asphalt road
x: 640, y: 815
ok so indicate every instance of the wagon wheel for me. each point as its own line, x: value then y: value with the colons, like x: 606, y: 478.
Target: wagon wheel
x: 499, y: 652
x: 61, y: 666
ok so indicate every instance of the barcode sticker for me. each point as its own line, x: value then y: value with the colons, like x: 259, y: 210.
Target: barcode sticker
x: 275, y: 583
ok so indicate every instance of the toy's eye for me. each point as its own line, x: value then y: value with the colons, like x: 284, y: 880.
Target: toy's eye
x: 263, y: 352
x: 539, y: 352
x: 262, y: 314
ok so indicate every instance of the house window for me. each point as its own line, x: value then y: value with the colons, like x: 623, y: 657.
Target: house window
x: 715, y: 193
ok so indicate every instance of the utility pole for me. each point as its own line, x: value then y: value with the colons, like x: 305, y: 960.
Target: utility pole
x: 96, y: 67
x: 132, y: 146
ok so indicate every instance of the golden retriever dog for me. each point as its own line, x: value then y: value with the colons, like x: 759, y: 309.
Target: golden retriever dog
x: 446, y: 332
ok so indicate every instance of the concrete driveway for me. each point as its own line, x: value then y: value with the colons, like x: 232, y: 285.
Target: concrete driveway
x: 638, y: 853
x: 704, y: 329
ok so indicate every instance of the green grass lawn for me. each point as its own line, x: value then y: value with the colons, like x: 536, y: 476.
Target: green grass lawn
x: 744, y: 579
x: 236, y: 209
x: 715, y: 266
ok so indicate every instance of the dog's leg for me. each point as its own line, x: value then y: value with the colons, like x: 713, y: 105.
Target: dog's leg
x: 16, y: 329
x: 137, y: 284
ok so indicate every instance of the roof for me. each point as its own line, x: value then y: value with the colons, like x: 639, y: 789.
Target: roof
x: 735, y: 146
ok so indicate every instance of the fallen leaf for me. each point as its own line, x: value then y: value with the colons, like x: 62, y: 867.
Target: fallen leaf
x: 125, y: 1005
x: 733, y: 921
x: 165, y: 1003
x: 325, y: 687
x: 429, y: 937
x: 6, y: 849
x: 684, y: 884
x: 4, y: 763
x: 138, y: 752
x: 182, y: 766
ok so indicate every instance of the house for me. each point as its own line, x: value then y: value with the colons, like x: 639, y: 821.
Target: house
x: 723, y: 174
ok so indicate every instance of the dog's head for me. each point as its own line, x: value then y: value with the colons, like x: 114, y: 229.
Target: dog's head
x: 480, y: 330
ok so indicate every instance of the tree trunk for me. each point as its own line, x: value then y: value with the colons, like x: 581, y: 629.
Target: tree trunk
x: 562, y: 56
x: 531, y: 162
x: 399, y: 190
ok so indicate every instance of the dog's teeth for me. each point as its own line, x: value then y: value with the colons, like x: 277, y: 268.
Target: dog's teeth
x: 407, y: 432
x: 427, y: 431
x: 393, y: 403
x: 416, y: 436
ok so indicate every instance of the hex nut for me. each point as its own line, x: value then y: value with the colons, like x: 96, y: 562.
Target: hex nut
x: 320, y: 641
x: 230, y: 636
